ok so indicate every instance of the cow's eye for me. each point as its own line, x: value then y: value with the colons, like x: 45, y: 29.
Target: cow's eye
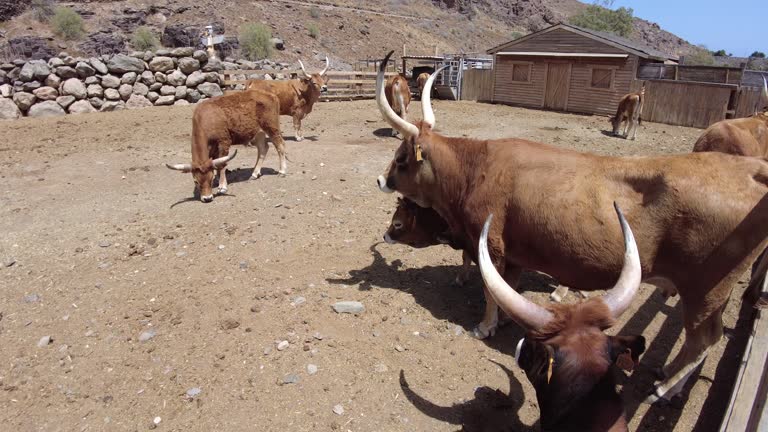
x: 398, y: 225
x: 401, y: 159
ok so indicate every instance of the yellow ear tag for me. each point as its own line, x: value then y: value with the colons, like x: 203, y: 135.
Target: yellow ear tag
x: 549, y: 369
x: 419, y: 158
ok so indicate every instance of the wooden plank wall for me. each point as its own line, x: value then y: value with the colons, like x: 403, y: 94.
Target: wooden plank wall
x: 584, y: 99
x: 563, y: 41
x: 530, y: 94
x: 748, y: 100
x: 477, y: 85
x: 690, y: 73
x: 685, y: 103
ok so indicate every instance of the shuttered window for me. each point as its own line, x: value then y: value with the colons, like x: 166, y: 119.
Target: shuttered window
x: 521, y: 72
x: 602, y: 78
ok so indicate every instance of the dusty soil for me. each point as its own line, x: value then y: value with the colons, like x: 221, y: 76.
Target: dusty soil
x: 109, y: 244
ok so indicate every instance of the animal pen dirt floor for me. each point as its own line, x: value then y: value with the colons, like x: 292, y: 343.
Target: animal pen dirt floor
x: 108, y: 244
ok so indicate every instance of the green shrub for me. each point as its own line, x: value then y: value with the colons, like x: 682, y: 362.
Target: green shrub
x: 143, y: 39
x: 700, y: 56
x: 600, y: 17
x: 67, y: 23
x: 314, y: 32
x: 255, y: 41
x: 757, y: 54
x: 42, y: 10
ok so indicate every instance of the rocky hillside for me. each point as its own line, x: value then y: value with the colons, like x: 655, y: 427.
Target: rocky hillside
x: 346, y: 30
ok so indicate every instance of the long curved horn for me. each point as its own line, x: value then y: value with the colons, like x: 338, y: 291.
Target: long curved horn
x: 218, y: 162
x: 405, y: 128
x: 327, y: 65
x: 426, y: 99
x: 765, y: 90
x: 179, y: 167
x: 523, y: 311
x: 304, y: 71
x: 620, y: 296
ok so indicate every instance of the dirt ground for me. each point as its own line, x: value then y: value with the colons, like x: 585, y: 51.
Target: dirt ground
x: 108, y: 245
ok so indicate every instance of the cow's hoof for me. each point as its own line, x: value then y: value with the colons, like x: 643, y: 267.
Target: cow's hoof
x: 480, y: 332
x: 255, y: 176
x: 555, y: 297
x: 299, y: 138
x: 222, y: 190
x: 657, y: 399
x: 282, y: 174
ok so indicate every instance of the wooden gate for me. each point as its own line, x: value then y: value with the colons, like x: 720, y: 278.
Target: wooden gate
x: 477, y: 85
x: 558, y: 84
x: 749, y: 100
x: 682, y: 103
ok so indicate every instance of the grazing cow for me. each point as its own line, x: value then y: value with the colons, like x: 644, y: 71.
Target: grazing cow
x: 420, y: 227
x: 398, y: 96
x: 630, y: 110
x: 565, y: 354
x: 421, y: 80
x: 743, y: 137
x: 701, y: 218
x: 297, y: 96
x: 223, y: 121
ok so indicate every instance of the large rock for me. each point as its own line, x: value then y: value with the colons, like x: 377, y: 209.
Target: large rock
x: 160, y: 77
x: 200, y: 56
x: 210, y: 89
x: 92, y: 80
x: 195, y: 78
x: 47, y: 109
x: 46, y: 93
x: 176, y: 78
x: 84, y: 70
x: 278, y: 43
x: 95, y: 90
x: 167, y: 90
x: 165, y: 100
x: 96, y: 102
x: 155, y: 87
x: 110, y: 106
x: 55, y: 62
x: 111, y: 94
x: 110, y: 81
x: 152, y: 96
x: 125, y: 90
x: 161, y: 64
x: 99, y: 65
x: 24, y: 100
x: 140, y: 89
x: 9, y: 110
x: 66, y: 72
x: 53, y: 80
x: 137, y: 101
x: 31, y: 86
x: 121, y: 63
x: 6, y: 90
x: 81, y: 107
x: 34, y: 70
x: 148, y: 78
x: 212, y: 77
x: 180, y: 102
x: 74, y: 87
x: 188, y: 65
x: 183, y: 52
x: 230, y: 66
x: 103, y: 42
x: 129, y: 78
x: 181, y: 92
x: 65, y: 101
x: 213, y: 65
x: 31, y: 47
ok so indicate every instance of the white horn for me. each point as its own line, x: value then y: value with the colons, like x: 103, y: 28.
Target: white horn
x: 523, y: 311
x: 405, y: 128
x: 218, y: 162
x: 426, y: 99
x: 304, y: 71
x: 180, y: 167
x: 327, y: 65
x: 765, y: 90
x: 620, y: 296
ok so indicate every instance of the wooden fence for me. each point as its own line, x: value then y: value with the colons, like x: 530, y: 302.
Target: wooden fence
x: 477, y: 85
x: 682, y: 103
x: 748, y: 101
x: 342, y: 85
x: 711, y: 74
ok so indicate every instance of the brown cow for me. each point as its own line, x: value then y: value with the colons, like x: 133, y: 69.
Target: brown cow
x: 398, y: 96
x: 701, y: 218
x: 743, y: 137
x: 420, y: 227
x: 629, y: 110
x: 565, y: 354
x: 421, y: 80
x: 297, y: 96
x: 223, y: 121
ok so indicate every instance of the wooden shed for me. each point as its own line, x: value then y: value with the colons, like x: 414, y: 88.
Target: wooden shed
x: 569, y: 68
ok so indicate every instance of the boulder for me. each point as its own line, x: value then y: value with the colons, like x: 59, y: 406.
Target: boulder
x: 167, y: 90
x: 210, y: 89
x: 46, y: 93
x: 81, y: 107
x: 47, y: 109
x: 69, y: 61
x: 121, y: 63
x: 278, y: 43
x: 155, y: 87
x: 181, y: 102
x: 32, y: 47
x: 140, y: 89
x: 24, y: 100
x: 160, y: 77
x: 110, y: 81
x: 99, y: 66
x: 152, y: 96
x: 188, y: 65
x: 34, y: 70
x: 84, y: 70
x: 212, y: 77
x: 128, y: 78
x: 195, y: 78
x: 74, y: 87
x: 65, y: 101
x: 104, y: 42
x: 55, y: 62
x: 193, y: 96
x: 230, y: 66
x: 92, y: 80
x: 95, y: 90
x: 9, y: 110
x: 31, y: 86
x: 200, y: 56
x: 111, y: 94
x: 125, y: 90
x: 181, y: 92
x: 137, y: 101
x: 66, y: 72
x: 148, y: 78
x: 213, y: 65
x: 176, y: 78
x: 161, y: 64
x: 148, y: 56
x: 110, y: 106
x: 96, y: 102
x: 165, y: 100
x: 163, y: 52
x: 6, y: 90
x: 183, y: 52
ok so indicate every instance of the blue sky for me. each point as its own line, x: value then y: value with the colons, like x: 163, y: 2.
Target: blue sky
x: 737, y: 26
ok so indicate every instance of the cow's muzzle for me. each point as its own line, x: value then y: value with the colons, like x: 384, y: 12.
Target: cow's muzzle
x: 383, y: 185
x: 323, y: 89
x: 206, y: 198
x: 389, y: 239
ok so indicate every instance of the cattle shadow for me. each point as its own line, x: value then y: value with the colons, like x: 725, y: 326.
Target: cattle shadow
x: 609, y: 134
x: 313, y: 138
x: 240, y: 175
x: 490, y: 411
x: 384, y: 133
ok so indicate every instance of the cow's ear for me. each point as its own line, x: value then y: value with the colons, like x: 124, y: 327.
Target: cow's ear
x: 626, y: 350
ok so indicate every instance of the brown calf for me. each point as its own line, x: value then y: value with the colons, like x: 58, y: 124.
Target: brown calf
x: 398, y: 96
x: 629, y: 110
x: 297, y: 96
x: 421, y: 80
x: 701, y: 218
x: 221, y: 122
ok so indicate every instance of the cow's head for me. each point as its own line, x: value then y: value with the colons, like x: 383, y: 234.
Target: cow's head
x: 410, y: 172
x: 616, y: 124
x: 203, y: 173
x: 565, y: 354
x: 416, y: 226
x: 316, y: 83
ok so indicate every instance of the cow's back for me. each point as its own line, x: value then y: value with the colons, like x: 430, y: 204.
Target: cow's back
x: 743, y: 137
x: 236, y: 116
x: 284, y: 90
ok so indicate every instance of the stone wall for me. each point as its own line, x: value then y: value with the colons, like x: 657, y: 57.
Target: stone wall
x: 64, y: 84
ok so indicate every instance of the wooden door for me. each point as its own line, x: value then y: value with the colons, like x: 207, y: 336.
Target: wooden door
x: 558, y: 84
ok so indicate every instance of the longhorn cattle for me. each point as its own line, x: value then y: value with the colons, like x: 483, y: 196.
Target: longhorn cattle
x: 421, y: 80
x: 420, y: 227
x: 296, y: 96
x: 219, y: 123
x: 398, y: 96
x: 743, y: 137
x: 701, y: 218
x: 565, y: 354
x: 629, y: 110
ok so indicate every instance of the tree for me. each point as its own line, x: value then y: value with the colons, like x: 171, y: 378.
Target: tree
x: 758, y: 54
x: 255, y: 41
x: 720, y: 53
x: 598, y: 16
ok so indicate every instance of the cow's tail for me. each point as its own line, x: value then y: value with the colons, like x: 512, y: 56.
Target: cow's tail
x: 640, y: 105
x: 397, y: 99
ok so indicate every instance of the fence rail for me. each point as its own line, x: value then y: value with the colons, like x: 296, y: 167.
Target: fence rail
x: 711, y: 74
x: 692, y: 104
x: 477, y: 85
